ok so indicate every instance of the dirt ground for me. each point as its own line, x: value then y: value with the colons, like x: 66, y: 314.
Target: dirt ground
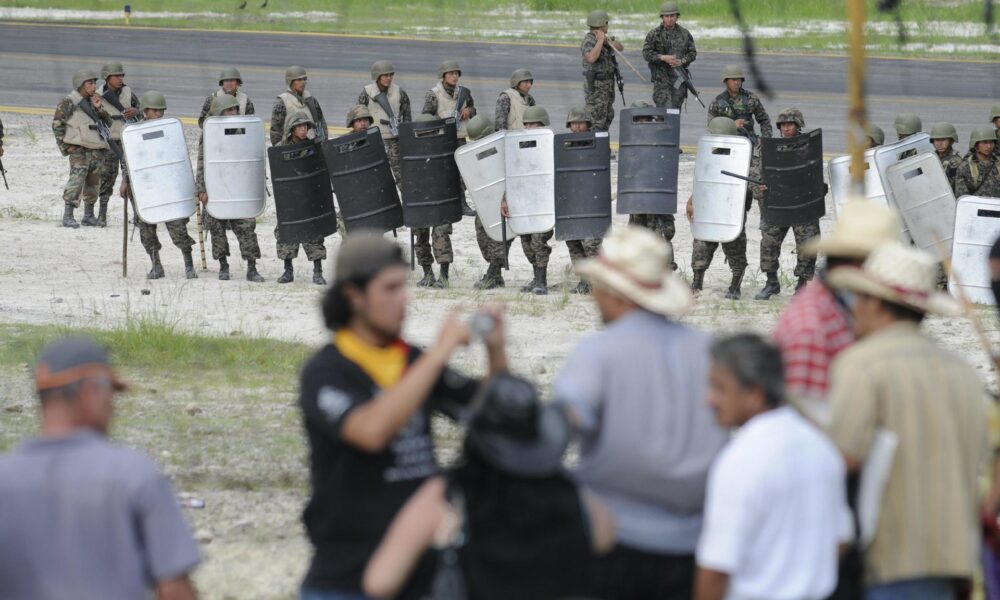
x: 251, y: 536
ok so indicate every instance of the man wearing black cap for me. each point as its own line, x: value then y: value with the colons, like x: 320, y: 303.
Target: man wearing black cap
x: 367, y: 399
x: 82, y: 517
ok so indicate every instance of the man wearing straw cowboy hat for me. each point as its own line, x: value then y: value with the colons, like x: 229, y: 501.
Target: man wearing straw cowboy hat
x: 898, y: 380
x: 635, y: 394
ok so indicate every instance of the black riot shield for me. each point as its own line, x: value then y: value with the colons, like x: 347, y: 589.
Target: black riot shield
x: 647, y: 160
x: 362, y: 180
x: 432, y: 193
x: 792, y: 170
x: 583, y: 185
x: 302, y: 195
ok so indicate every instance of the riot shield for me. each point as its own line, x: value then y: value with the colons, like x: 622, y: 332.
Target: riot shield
x: 792, y: 170
x: 923, y: 195
x: 159, y: 170
x: 234, y: 166
x: 583, y: 185
x: 362, y: 180
x: 432, y: 191
x: 303, y: 197
x: 890, y: 154
x: 720, y: 200
x: 483, y: 166
x: 531, y: 187
x: 840, y: 181
x: 977, y: 226
x: 648, y: 155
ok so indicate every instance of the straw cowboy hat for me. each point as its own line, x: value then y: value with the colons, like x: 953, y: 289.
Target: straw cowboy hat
x: 899, y: 274
x: 861, y: 226
x: 635, y: 263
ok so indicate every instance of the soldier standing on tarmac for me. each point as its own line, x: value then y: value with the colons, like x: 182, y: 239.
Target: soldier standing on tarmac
x: 598, y: 50
x: 668, y: 46
x: 230, y: 83
x: 389, y: 106
x: 123, y: 106
x: 296, y: 99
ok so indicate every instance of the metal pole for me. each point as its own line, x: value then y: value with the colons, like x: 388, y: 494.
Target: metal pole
x: 125, y: 235
x: 857, y: 117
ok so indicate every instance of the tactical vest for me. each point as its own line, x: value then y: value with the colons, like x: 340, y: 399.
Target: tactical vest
x: 380, y: 116
x: 80, y: 128
x: 446, y: 107
x: 518, y: 104
x: 240, y: 97
x: 117, y: 118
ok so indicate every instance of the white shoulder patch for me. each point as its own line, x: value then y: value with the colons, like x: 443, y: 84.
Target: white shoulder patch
x: 333, y: 402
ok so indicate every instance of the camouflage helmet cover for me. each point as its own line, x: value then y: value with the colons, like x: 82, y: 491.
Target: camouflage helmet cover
x: 578, y: 114
x: 83, y: 76
x: 733, y: 72
x: 982, y: 134
x: 641, y: 104
x: 536, y: 114
x: 447, y: 67
x: 520, y: 75
x: 296, y: 118
x: 153, y: 99
x: 114, y: 68
x: 876, y: 134
x: 230, y: 73
x: 294, y: 72
x: 598, y: 18
x: 223, y: 103
x: 722, y: 126
x: 907, y: 124
x: 669, y: 8
x: 944, y: 130
x: 359, y: 111
x: 995, y: 112
x: 424, y: 118
x: 382, y: 67
x: 478, y: 127
x: 791, y: 115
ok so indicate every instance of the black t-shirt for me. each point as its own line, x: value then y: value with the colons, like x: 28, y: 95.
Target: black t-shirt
x: 356, y: 494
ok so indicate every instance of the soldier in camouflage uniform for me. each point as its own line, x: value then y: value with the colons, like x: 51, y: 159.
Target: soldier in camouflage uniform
x: 662, y: 224
x: 668, y: 46
x: 514, y: 100
x: 736, y: 250
x: 153, y: 106
x: 245, y: 229
x: 995, y: 120
x: 494, y: 253
x: 388, y: 104
x: 599, y: 66
x: 123, y: 106
x: 578, y: 121
x: 422, y: 244
x: 944, y: 136
x: 299, y: 128
x: 442, y: 101
x: 296, y: 99
x: 907, y: 124
x: 875, y: 138
x: 359, y: 118
x: 979, y: 173
x: 790, y: 122
x: 230, y: 83
x: 741, y: 105
x: 75, y: 128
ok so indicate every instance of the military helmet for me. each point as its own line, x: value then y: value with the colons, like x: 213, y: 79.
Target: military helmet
x: 297, y: 118
x: 669, y: 8
x: 722, y: 126
x: 994, y: 112
x: 382, y: 67
x: 520, y: 75
x: 478, y: 127
x: 641, y: 104
x: 447, y: 67
x: 944, y: 130
x: 908, y: 123
x: 876, y: 134
x: 115, y: 68
x: 153, y: 99
x: 223, y: 103
x: 578, y: 114
x: 83, y: 76
x: 791, y: 115
x: 294, y: 72
x: 424, y: 117
x: 733, y: 72
x: 982, y: 134
x: 230, y: 73
x: 359, y: 111
x: 536, y: 114
x: 598, y: 18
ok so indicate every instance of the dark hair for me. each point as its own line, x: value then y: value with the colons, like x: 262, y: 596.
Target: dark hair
x: 903, y: 313
x: 755, y: 363
x: 337, y: 311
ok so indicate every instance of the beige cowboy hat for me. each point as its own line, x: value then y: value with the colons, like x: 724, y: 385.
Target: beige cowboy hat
x: 900, y: 274
x: 635, y: 263
x: 861, y: 226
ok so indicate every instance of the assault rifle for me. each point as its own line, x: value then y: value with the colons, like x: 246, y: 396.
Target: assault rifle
x: 618, y: 72
x: 684, y: 79
x: 462, y: 96
x: 383, y: 101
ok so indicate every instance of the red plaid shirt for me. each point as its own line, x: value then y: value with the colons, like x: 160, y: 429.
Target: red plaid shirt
x: 810, y: 332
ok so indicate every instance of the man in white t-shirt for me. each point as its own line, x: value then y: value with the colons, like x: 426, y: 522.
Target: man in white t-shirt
x: 776, y: 508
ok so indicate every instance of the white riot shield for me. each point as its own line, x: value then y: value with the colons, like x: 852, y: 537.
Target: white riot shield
x: 531, y: 180
x: 159, y: 170
x: 483, y: 166
x: 840, y: 181
x: 234, y: 166
x: 890, y: 154
x: 720, y: 200
x: 977, y: 226
x: 924, y: 198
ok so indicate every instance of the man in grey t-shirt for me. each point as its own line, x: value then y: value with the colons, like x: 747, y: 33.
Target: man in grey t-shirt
x: 636, y: 394
x: 81, y: 517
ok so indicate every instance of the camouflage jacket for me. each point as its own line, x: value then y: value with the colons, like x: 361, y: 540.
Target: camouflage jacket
x: 64, y: 110
x: 950, y: 162
x: 279, y: 112
x: 604, y: 66
x: 206, y: 108
x: 431, y: 101
x: 199, y: 177
x: 677, y: 42
x: 976, y: 178
x: 503, y: 110
x: 755, y: 173
x: 746, y: 105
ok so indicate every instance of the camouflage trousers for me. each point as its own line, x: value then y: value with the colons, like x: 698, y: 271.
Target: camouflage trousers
x: 178, y: 235
x: 315, y: 250
x: 580, y: 249
x: 246, y: 235
x: 661, y: 224
x: 392, y: 151
x: 536, y: 248
x: 422, y: 245
x: 771, y: 238
x: 735, y: 251
x: 84, y: 176
x: 109, y: 174
x: 601, y: 103
x: 665, y: 94
x: 493, y: 251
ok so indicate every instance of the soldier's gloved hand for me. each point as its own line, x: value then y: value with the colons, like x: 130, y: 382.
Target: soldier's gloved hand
x: 690, y: 208
x: 203, y: 197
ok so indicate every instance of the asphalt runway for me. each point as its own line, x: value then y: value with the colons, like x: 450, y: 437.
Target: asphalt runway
x: 37, y: 62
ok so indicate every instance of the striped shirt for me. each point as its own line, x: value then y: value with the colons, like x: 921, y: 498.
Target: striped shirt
x: 899, y: 380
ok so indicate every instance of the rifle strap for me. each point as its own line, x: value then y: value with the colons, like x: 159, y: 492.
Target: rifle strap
x: 383, y: 101
x: 112, y: 97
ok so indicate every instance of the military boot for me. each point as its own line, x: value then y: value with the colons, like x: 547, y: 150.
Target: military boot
x: 428, y: 279
x: 289, y: 275
x: 771, y: 288
x: 68, y: 220
x: 541, y: 282
x: 734, y: 293
x: 491, y: 280
x: 102, y: 215
x: 157, y: 271
x: 581, y: 288
x: 88, y: 220
x: 698, y: 281
x: 526, y: 288
x: 252, y: 274
x: 803, y: 281
x: 442, y: 281
x: 189, y: 271
x: 223, y: 269
x: 318, y: 278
